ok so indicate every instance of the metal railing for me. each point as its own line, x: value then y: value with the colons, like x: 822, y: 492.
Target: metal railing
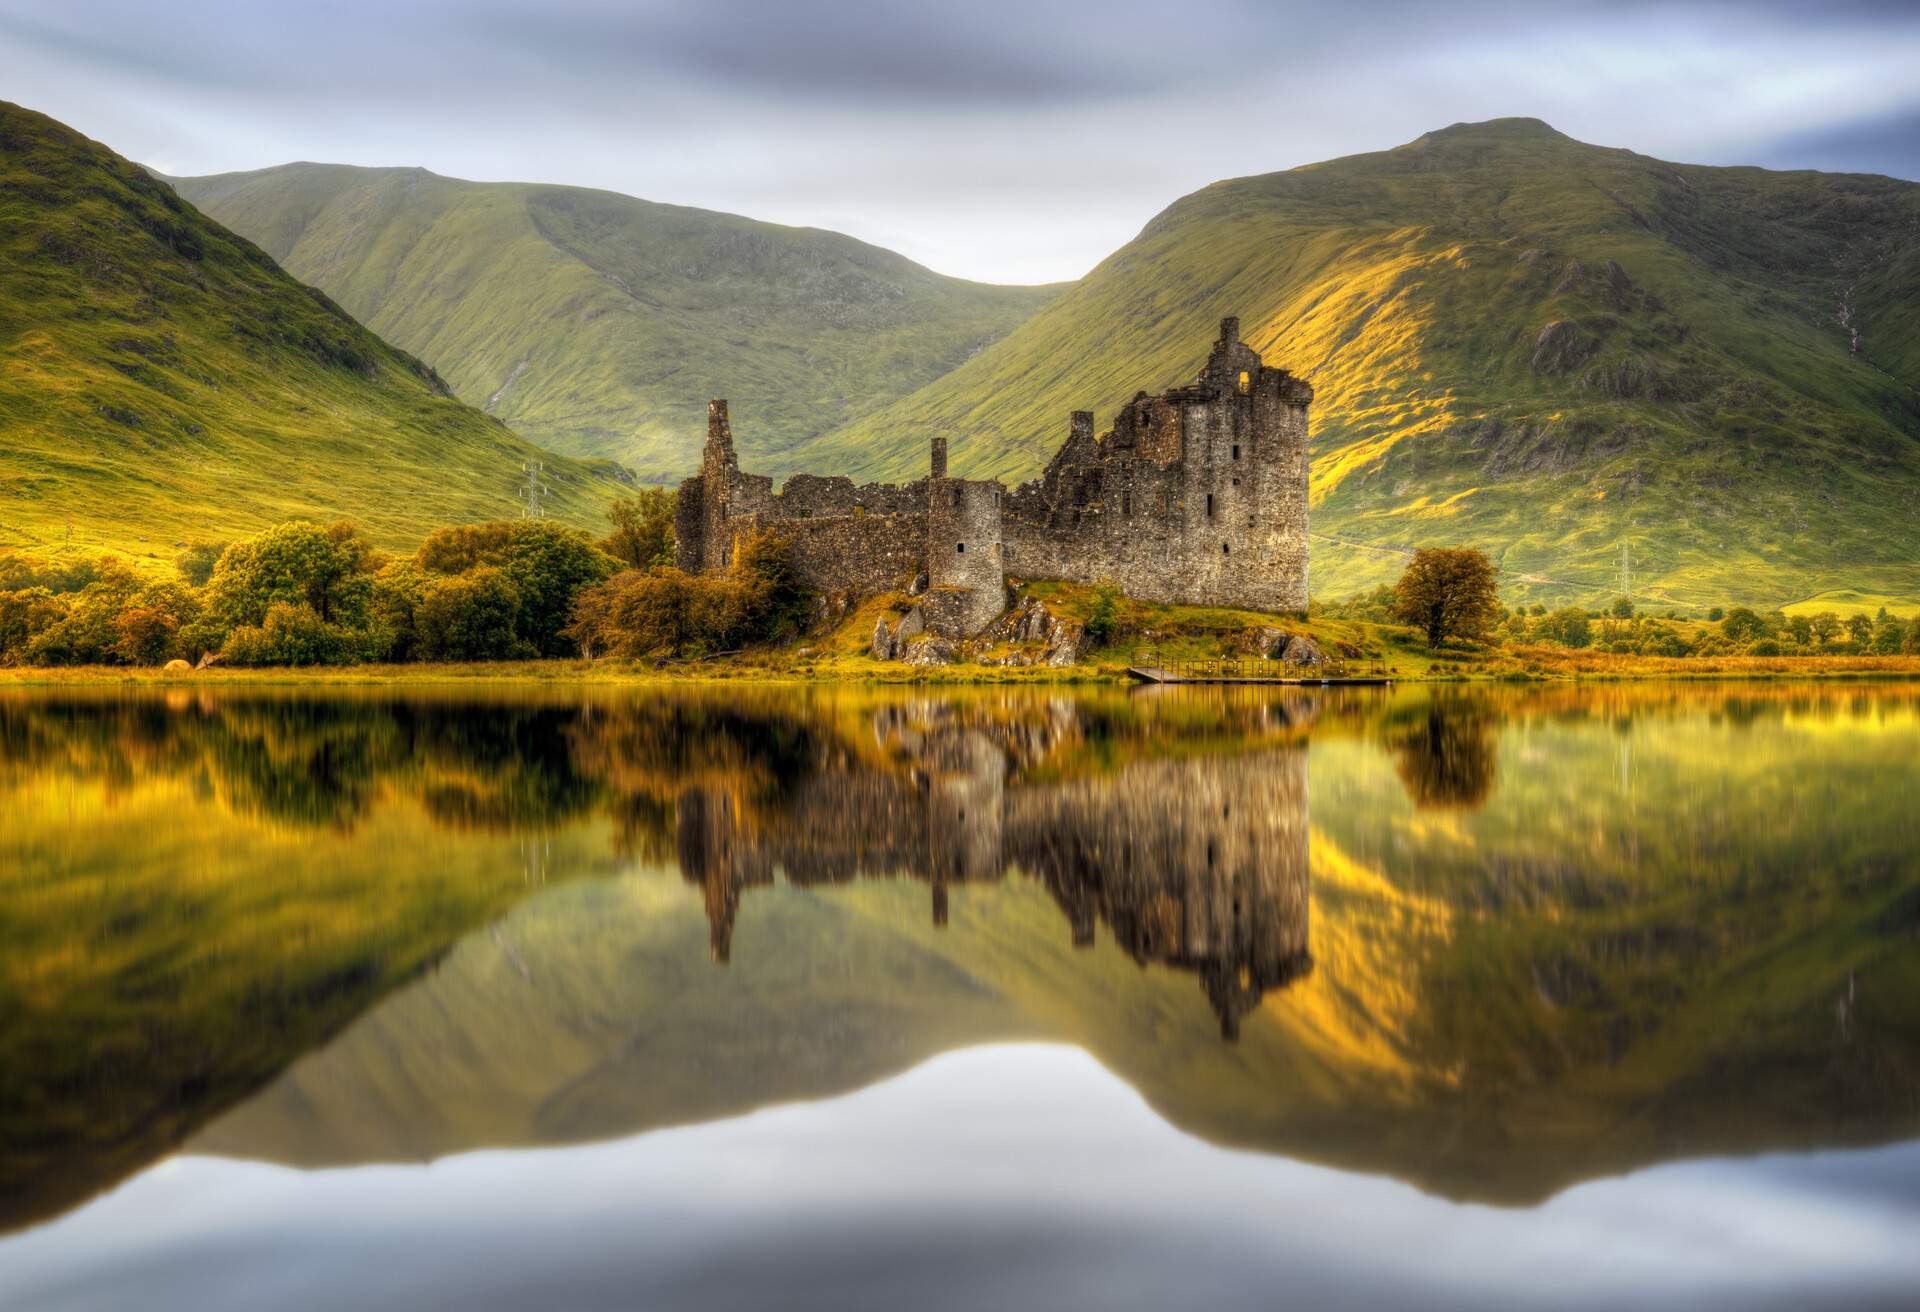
x: 1257, y: 667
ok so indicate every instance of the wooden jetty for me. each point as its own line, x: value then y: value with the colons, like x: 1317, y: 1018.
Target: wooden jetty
x: 1152, y: 669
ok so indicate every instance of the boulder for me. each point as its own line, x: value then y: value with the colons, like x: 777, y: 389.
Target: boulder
x: 1302, y: 651
x: 930, y: 651
x: 912, y: 626
x: 882, y: 640
x: 1265, y: 642
x: 1066, y: 643
x: 918, y: 586
x: 176, y: 666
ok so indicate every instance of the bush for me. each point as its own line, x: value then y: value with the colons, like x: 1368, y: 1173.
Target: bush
x: 643, y: 534
x: 1569, y: 626
x: 25, y: 614
x: 1764, y: 647
x: 1103, y: 620
x: 667, y: 612
x: 1743, y: 625
x: 470, y: 617
x: 291, y: 633
x: 547, y: 564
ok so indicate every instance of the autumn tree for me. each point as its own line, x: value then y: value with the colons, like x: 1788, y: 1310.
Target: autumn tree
x: 1448, y: 592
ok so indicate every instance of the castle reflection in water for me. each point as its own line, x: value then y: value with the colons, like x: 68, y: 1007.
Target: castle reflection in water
x: 1198, y: 862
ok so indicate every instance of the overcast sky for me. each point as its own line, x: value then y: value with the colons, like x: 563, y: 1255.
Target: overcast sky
x: 1012, y: 142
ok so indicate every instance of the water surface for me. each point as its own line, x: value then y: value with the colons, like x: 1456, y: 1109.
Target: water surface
x: 834, y: 998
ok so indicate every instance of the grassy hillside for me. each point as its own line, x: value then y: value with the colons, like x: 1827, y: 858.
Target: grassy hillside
x: 162, y: 379
x: 600, y: 325
x: 1521, y: 341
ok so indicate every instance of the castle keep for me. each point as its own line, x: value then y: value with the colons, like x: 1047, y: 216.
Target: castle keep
x: 1198, y: 496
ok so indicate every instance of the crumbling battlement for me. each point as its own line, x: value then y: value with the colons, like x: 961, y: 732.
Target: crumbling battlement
x: 1197, y: 496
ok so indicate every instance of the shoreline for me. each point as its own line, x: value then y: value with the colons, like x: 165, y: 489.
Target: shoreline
x: 1567, y: 668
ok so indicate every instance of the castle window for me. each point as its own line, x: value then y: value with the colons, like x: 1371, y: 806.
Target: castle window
x: 956, y: 496
x: 1126, y: 504
x: 1245, y: 381
x: 1209, y: 505
x: 1236, y: 482
x: 959, y: 548
x: 1223, y: 549
x: 1236, y: 445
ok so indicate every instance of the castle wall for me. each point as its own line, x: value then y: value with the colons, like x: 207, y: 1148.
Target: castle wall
x: 862, y: 554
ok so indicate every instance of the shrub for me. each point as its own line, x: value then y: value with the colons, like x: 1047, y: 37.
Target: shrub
x: 1103, y: 620
x: 547, y: 564
x: 667, y: 612
x: 25, y: 614
x: 1568, y: 626
x: 291, y: 633
x: 1764, y: 647
x: 470, y: 617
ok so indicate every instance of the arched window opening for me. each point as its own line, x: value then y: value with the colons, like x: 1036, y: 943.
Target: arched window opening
x: 1245, y: 382
x: 1236, y: 445
x: 959, y: 548
x: 1223, y: 549
x: 1209, y: 505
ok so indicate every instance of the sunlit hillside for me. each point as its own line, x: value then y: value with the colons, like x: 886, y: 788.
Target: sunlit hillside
x: 1555, y: 350
x: 162, y: 380
x: 598, y: 324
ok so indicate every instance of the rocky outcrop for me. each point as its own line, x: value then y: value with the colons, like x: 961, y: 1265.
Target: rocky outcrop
x: 1561, y: 348
x: 1034, y: 635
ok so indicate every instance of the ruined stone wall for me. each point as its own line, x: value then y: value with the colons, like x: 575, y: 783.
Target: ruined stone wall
x: 860, y: 554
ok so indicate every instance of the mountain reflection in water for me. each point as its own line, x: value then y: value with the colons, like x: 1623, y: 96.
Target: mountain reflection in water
x: 1492, y: 943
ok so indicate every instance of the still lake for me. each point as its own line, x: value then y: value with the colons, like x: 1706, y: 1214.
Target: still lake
x: 840, y: 998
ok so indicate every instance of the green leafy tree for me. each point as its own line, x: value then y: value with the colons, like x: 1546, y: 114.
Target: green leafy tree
x: 197, y: 561
x: 1888, y: 635
x: 1800, y: 629
x: 1622, y: 608
x: 1715, y: 614
x: 292, y: 633
x: 1569, y: 626
x: 1910, y: 645
x: 327, y: 570
x: 25, y: 614
x: 1859, y: 631
x: 470, y: 617
x: 547, y: 564
x: 643, y: 533
x: 1448, y: 592
x: 1742, y: 624
x: 1826, y: 627
x: 392, y: 609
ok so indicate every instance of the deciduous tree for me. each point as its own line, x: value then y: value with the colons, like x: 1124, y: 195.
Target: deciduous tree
x: 1448, y: 592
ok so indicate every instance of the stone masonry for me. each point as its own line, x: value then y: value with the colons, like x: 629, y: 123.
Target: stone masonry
x: 1195, y: 496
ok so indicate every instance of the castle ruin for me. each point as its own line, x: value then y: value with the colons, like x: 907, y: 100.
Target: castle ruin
x: 1195, y: 496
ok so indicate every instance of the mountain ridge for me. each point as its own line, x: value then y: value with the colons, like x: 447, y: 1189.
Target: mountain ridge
x: 165, y: 379
x: 600, y: 324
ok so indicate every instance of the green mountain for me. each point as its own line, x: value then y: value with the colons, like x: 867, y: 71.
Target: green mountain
x: 162, y: 379
x: 1551, y: 349
x: 599, y: 324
